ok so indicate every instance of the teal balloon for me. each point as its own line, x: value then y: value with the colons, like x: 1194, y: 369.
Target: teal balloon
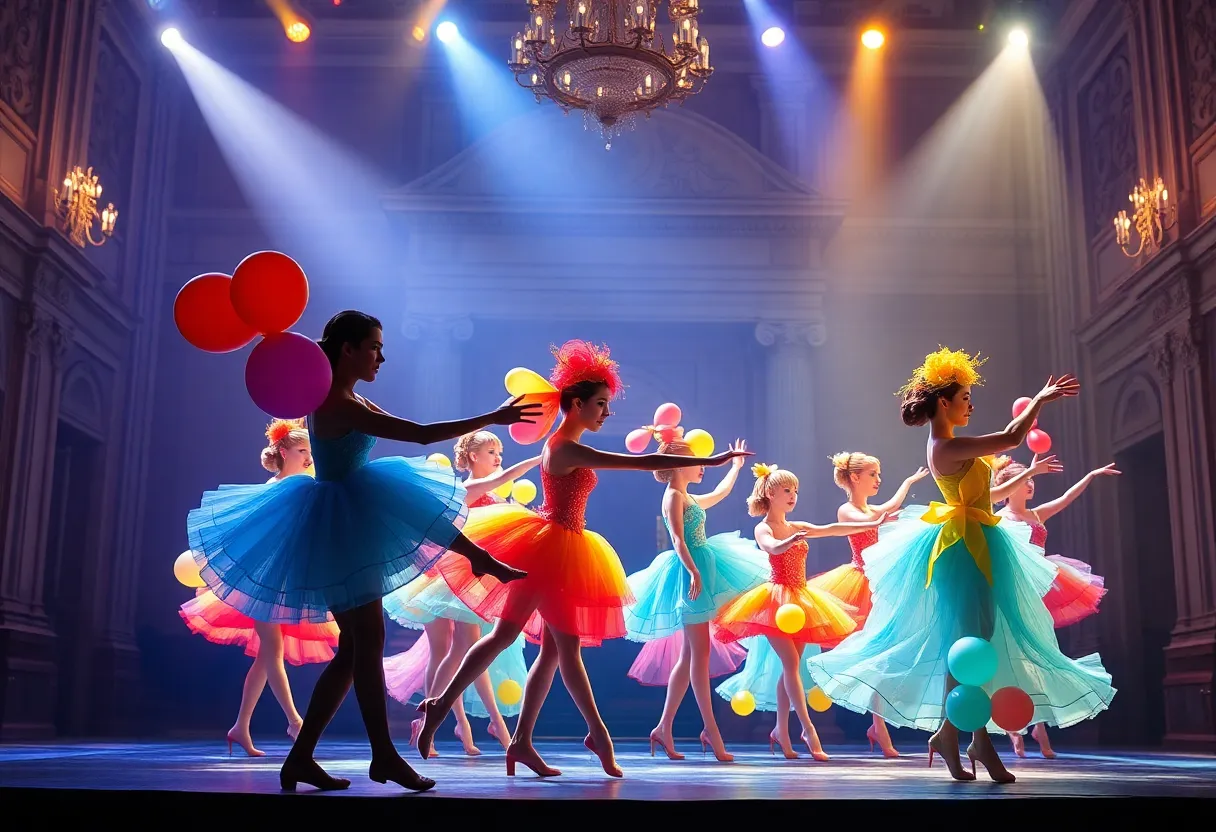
x: 972, y: 661
x: 968, y: 708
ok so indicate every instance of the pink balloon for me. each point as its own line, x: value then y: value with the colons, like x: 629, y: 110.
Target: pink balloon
x: 525, y: 433
x: 1020, y: 406
x: 1038, y: 441
x: 1012, y: 709
x: 287, y: 375
x: 637, y: 440
x: 667, y: 414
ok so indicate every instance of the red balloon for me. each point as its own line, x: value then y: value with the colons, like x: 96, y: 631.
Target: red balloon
x: 1038, y: 441
x: 269, y: 291
x: 204, y: 315
x: 287, y: 375
x: 1020, y: 406
x: 1012, y: 709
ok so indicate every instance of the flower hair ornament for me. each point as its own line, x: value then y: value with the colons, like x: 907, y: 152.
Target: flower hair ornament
x: 576, y: 362
x: 943, y: 368
x: 280, y: 429
x: 763, y: 469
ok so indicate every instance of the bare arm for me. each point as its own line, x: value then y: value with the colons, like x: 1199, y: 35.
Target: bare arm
x: 768, y: 542
x: 673, y: 510
x: 355, y: 415
x: 728, y: 482
x: 901, y: 493
x: 839, y: 529
x: 1054, y: 507
x: 476, y: 489
x: 1038, y: 465
x: 566, y: 457
x: 949, y: 455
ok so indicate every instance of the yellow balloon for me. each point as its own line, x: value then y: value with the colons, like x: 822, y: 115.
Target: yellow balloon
x: 743, y: 703
x: 790, y: 618
x: 509, y: 692
x: 186, y: 571
x: 440, y: 460
x: 524, y: 492
x: 818, y: 700
x: 504, y: 490
x: 699, y: 442
x: 522, y: 381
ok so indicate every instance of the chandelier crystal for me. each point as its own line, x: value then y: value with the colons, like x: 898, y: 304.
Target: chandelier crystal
x: 608, y: 59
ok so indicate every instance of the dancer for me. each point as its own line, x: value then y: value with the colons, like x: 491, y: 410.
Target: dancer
x: 860, y: 477
x: 957, y: 570
x: 682, y: 590
x: 300, y: 549
x: 826, y: 619
x: 1076, y: 591
x: 288, y: 454
x: 450, y: 627
x: 575, y: 590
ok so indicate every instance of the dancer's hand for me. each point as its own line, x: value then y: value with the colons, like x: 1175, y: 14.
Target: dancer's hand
x: 920, y: 474
x: 1066, y: 385
x: 1044, y: 465
x: 1105, y: 471
x: 877, y: 521
x: 694, y: 585
x: 727, y: 456
x: 514, y: 412
x: 740, y: 446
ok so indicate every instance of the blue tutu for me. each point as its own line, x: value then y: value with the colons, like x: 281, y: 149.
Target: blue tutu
x: 296, y: 550
x: 425, y: 599
x: 761, y: 673
x: 896, y: 665
x: 729, y: 566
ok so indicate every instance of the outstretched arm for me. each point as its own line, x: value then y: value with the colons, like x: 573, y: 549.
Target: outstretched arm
x: 1038, y: 465
x: 728, y: 482
x: 673, y: 510
x: 375, y: 422
x: 1054, y: 507
x: 901, y: 493
x: 768, y: 542
x: 954, y: 452
x: 476, y: 489
x: 573, y: 455
x: 839, y: 529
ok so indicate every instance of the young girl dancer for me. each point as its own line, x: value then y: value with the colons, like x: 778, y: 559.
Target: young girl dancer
x: 1076, y: 591
x: 683, y: 589
x: 860, y: 476
x: 754, y: 613
x: 450, y: 627
x: 287, y: 455
x: 297, y: 550
x: 957, y: 570
x: 575, y: 590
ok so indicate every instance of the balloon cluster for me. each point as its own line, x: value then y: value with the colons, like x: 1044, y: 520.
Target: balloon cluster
x: 522, y: 491
x: 973, y: 663
x: 665, y: 428
x: 287, y: 375
x: 1037, y: 440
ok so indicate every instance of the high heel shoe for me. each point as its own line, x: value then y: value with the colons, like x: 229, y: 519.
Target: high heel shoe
x: 247, y: 746
x: 773, y: 740
x: 537, y: 765
x: 398, y: 771
x: 309, y: 773
x: 995, y: 768
x: 821, y: 756
x: 887, y: 751
x: 667, y: 745
x: 956, y: 770
x: 724, y: 757
x: 612, y: 771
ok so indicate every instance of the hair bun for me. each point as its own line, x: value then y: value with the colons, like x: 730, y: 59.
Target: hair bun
x: 840, y: 461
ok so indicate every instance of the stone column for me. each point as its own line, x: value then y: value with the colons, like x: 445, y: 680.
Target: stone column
x: 786, y: 129
x: 27, y: 699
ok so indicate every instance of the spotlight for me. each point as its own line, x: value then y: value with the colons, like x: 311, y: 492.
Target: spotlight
x: 873, y: 39
x: 773, y: 36
x: 1019, y: 38
x: 446, y: 31
x: 171, y: 38
x: 298, y: 31
x: 419, y: 34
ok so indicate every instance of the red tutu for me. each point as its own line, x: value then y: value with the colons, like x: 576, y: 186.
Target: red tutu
x: 656, y: 659
x: 1075, y: 594
x: 303, y: 643
x: 849, y: 584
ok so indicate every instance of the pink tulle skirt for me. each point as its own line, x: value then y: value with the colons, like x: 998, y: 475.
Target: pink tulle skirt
x: 656, y: 659
x: 303, y: 643
x: 405, y: 673
x: 1076, y: 592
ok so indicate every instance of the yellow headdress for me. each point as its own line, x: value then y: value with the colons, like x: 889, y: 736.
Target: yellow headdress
x: 943, y: 368
x: 762, y: 469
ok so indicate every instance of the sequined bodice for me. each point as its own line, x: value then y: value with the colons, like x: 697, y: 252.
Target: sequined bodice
x: 487, y: 499
x: 694, y: 524
x: 1038, y: 534
x: 861, y: 541
x: 789, y: 567
x: 335, y: 459
x: 566, y: 497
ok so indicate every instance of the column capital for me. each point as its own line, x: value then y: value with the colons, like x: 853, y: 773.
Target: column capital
x: 418, y: 327
x: 42, y: 333
x: 810, y: 332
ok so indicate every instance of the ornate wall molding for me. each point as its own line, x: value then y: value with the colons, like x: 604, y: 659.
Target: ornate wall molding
x: 43, y: 334
x: 1136, y: 412
x: 114, y: 122
x: 1172, y: 299
x: 418, y: 327
x: 24, y: 38
x: 1199, y: 57
x: 51, y: 283
x: 1107, y: 124
x: 809, y: 333
x: 1161, y: 353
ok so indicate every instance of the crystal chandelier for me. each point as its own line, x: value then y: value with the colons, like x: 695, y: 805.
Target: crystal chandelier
x: 1152, y: 215
x: 606, y: 58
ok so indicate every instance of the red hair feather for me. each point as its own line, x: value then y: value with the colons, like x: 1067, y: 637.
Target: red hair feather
x: 280, y: 429
x: 579, y: 361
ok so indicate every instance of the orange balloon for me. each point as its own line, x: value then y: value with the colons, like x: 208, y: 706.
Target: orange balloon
x: 204, y: 315
x: 269, y: 291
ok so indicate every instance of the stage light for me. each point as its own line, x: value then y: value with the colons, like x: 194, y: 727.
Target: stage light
x: 419, y: 34
x: 171, y: 38
x: 447, y: 32
x: 298, y: 31
x: 1019, y: 38
x: 873, y: 39
x: 155, y: 5
x: 773, y: 36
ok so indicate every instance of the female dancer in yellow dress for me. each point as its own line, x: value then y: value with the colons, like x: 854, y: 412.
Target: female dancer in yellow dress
x: 956, y: 570
x: 575, y: 590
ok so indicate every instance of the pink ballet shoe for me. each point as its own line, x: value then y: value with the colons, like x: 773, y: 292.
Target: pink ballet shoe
x: 504, y: 740
x: 244, y: 742
x: 469, y: 748
x: 774, y: 740
x: 415, y: 730
x: 657, y: 738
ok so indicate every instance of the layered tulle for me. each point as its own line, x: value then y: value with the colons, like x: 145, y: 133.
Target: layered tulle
x: 295, y: 550
x: 896, y: 666
x: 1075, y: 593
x: 425, y: 599
x: 729, y: 566
x: 761, y: 674
x: 849, y: 584
x: 303, y: 643
x: 575, y: 581
x: 754, y: 613
x: 405, y: 676
x: 658, y: 656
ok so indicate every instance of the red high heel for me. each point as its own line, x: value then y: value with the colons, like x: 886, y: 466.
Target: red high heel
x: 959, y: 774
x: 820, y: 756
x: 998, y: 772
x: 669, y: 747
x: 615, y: 771
x: 872, y: 736
x: 791, y: 754
x: 537, y: 766
x: 727, y: 758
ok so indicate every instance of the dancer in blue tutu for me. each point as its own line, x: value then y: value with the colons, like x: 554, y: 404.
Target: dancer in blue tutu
x: 299, y: 549
x: 955, y: 569
x: 684, y: 588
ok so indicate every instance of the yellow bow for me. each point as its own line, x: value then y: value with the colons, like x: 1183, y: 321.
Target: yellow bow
x: 961, y: 523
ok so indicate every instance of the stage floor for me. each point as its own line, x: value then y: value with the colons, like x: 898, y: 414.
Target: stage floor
x: 160, y: 771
